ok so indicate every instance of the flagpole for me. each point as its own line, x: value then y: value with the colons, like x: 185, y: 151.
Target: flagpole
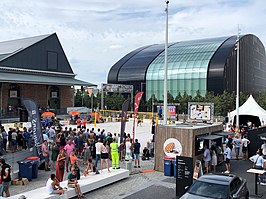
x: 165, y: 65
x: 237, y: 77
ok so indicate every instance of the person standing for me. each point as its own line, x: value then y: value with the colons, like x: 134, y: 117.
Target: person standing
x: 14, y: 136
x: 263, y: 148
x: 46, y: 154
x: 98, y: 151
x: 128, y: 149
x: 60, y: 165
x: 55, y: 152
x: 245, y: 143
x: 4, y: 136
x: 68, y: 148
x: 26, y: 137
x: 213, y: 158
x: 5, y: 176
x: 227, y: 153
x: 136, y: 153
x: 114, y: 153
x: 258, y: 162
x: 207, y: 158
x: 237, y: 144
x: 104, y: 156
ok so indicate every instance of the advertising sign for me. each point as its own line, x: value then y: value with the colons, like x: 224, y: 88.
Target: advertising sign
x: 200, y: 111
x: 184, y: 173
x: 117, y: 88
x: 172, y: 147
x: 171, y: 112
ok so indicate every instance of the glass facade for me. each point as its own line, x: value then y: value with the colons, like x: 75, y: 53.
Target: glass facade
x: 188, y: 63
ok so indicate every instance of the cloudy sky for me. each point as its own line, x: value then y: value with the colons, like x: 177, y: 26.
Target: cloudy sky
x: 95, y: 34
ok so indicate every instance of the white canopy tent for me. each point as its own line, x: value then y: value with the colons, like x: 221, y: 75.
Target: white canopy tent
x: 250, y: 107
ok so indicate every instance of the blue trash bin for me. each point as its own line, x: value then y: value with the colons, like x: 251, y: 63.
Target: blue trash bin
x: 35, y: 165
x: 25, y: 169
x: 174, y: 167
x: 168, y: 167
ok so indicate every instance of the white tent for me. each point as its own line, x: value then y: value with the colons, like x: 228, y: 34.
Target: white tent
x: 250, y: 107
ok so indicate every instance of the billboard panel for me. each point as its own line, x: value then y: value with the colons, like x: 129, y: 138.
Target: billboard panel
x: 200, y: 111
x: 117, y: 88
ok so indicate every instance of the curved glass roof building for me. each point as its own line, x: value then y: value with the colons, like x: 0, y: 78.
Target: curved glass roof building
x: 198, y: 65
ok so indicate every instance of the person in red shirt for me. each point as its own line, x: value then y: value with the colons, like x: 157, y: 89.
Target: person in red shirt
x: 84, y: 123
x: 78, y: 123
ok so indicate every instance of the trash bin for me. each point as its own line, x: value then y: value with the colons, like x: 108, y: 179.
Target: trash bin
x: 168, y: 167
x: 174, y: 167
x: 128, y: 164
x: 25, y: 169
x: 35, y: 164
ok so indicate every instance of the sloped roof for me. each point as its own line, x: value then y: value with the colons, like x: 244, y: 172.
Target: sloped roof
x: 11, y: 47
x: 250, y: 107
x: 36, y: 60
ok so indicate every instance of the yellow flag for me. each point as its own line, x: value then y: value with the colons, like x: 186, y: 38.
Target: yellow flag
x: 95, y: 115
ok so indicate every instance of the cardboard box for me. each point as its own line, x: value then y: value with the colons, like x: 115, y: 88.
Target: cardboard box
x: 23, y: 181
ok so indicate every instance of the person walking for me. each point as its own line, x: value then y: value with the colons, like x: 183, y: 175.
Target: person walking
x: 245, y: 143
x: 136, y: 153
x: 114, y: 153
x: 128, y: 148
x: 227, y: 153
x: 60, y: 165
x: 5, y: 176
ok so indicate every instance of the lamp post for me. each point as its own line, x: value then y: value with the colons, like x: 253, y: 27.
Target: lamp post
x: 237, y: 76
x: 165, y: 65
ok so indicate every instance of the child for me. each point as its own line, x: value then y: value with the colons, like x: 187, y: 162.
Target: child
x: 91, y: 168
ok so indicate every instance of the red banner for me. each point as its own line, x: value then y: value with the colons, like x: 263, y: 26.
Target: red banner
x: 137, y: 101
x: 136, y: 108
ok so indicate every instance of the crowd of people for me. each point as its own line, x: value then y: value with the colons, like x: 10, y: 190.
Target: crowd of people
x: 236, y: 140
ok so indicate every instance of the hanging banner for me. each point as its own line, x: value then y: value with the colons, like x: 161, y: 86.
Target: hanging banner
x: 123, y: 119
x: 136, y: 108
x: 34, y: 115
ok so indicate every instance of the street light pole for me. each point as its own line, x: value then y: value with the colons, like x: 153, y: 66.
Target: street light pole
x: 165, y: 65
x: 237, y: 76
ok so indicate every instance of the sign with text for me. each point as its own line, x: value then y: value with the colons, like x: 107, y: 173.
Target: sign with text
x: 184, y: 174
x: 117, y: 88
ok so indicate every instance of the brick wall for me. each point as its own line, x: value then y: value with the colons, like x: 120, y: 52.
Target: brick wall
x: 39, y: 93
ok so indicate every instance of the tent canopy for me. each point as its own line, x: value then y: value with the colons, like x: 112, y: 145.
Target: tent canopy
x: 250, y: 108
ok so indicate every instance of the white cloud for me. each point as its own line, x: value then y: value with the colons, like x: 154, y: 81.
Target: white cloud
x: 97, y: 33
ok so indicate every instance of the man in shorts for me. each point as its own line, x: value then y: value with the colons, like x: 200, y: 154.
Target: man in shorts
x: 136, y: 153
x: 227, y: 153
x: 5, y: 175
x: 53, y: 186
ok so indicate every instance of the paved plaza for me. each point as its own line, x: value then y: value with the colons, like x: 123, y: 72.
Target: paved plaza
x: 139, y: 184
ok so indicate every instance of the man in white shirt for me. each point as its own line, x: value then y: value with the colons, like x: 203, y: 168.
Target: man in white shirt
x: 98, y: 151
x: 227, y: 153
x: 263, y: 148
x: 128, y: 149
x: 245, y: 143
x: 53, y: 186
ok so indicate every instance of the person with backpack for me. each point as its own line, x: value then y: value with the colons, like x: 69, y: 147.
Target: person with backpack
x: 5, y: 176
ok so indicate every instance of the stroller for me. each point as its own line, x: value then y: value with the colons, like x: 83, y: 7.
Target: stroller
x: 146, y: 154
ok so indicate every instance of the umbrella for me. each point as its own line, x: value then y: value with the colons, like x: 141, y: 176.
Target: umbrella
x: 74, y: 113
x: 48, y: 114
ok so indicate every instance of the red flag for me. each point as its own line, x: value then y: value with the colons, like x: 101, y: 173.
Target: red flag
x: 137, y: 101
x: 136, y: 108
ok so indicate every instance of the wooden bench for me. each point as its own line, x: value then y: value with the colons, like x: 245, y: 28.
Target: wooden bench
x: 87, y: 184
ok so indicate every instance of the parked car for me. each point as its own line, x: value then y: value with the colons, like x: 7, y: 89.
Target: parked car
x: 220, y: 186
